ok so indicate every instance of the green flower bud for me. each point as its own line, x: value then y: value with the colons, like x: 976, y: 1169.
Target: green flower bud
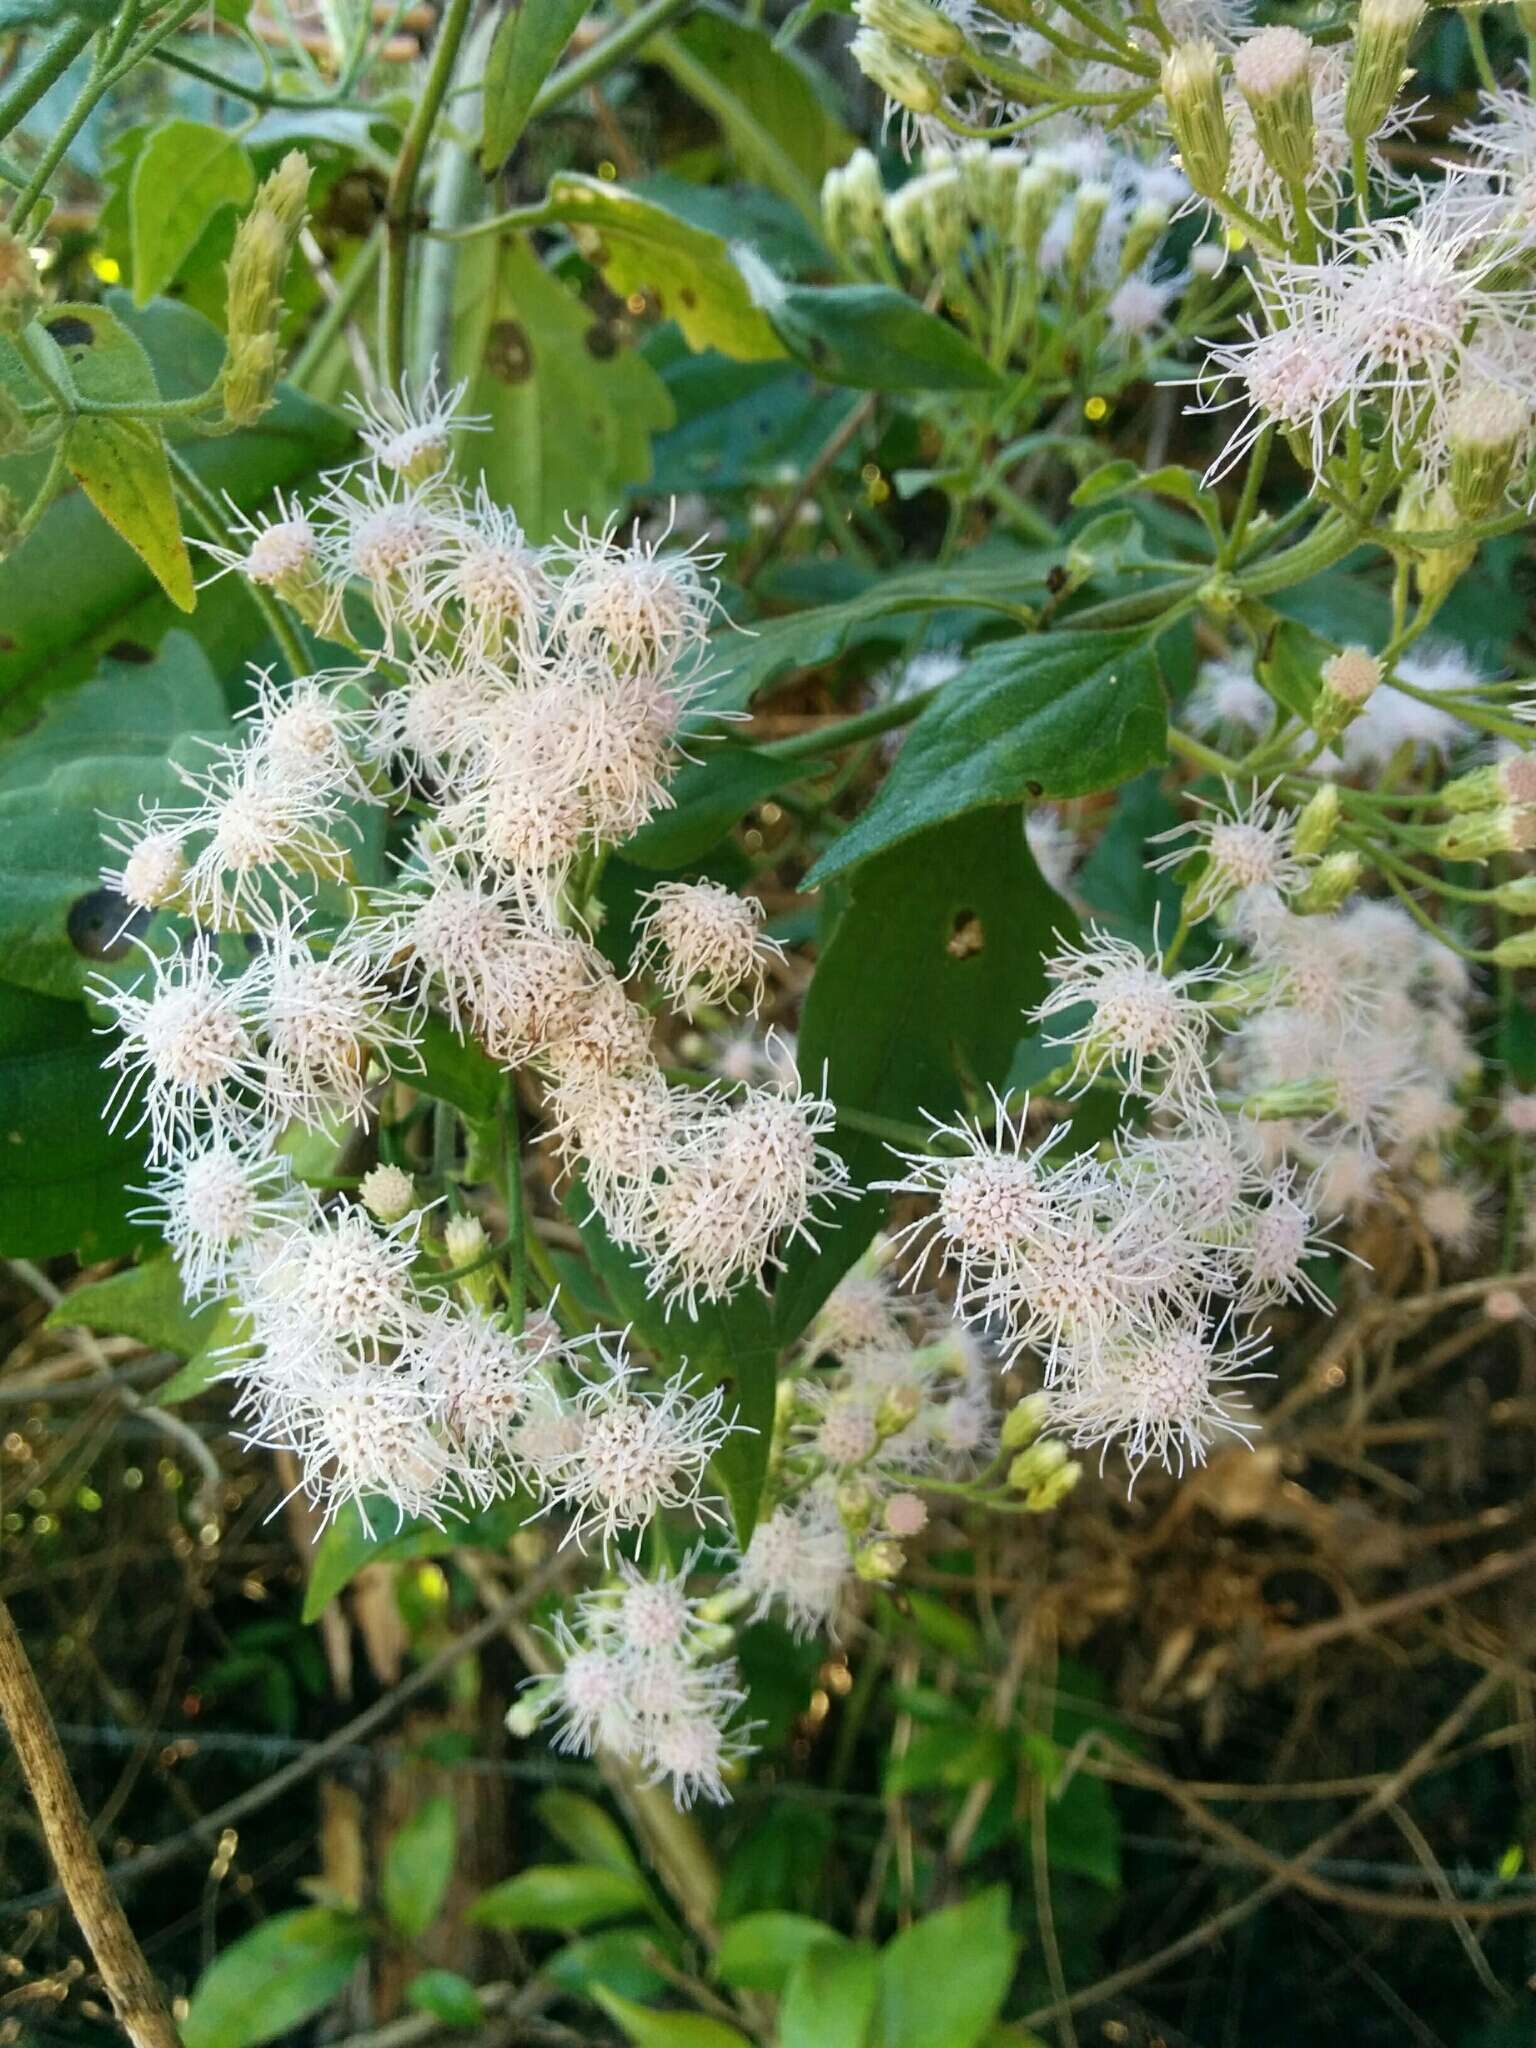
x: 249, y: 378
x: 285, y: 195
x: 530, y: 1707
x: 1273, y: 72
x: 1436, y: 571
x: 1350, y: 678
x: 1025, y: 1420
x: 880, y: 1561
x: 1518, y: 950
x: 1333, y: 881
x: 1197, y: 115
x: 1035, y: 199
x: 1088, y: 211
x: 1481, y: 834
x: 1383, y: 31
x: 21, y: 289
x: 1316, y: 823
x: 1040, y: 1462
x: 855, y: 1506
x: 1486, y: 429
x: 897, y: 73
x: 897, y: 1410
x: 387, y: 1193
x: 914, y: 25
x: 1148, y: 224
x: 1041, y: 1499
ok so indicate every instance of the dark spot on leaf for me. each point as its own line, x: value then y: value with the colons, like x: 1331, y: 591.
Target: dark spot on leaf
x: 130, y: 650
x: 817, y: 349
x: 689, y: 296
x: 1056, y: 579
x: 601, y: 341
x: 7, y: 644
x: 508, y: 352
x: 1034, y: 788
x: 102, y: 926
x: 966, y: 936
x: 70, y: 331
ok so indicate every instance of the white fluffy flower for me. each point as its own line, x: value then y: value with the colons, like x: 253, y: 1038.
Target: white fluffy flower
x: 701, y: 941
x: 640, y: 1452
x: 212, y: 1199
x: 185, y: 1041
x: 1165, y: 1397
x: 324, y: 1022
x: 411, y: 433
x: 797, y: 1562
x: 1149, y: 1028
x: 633, y: 605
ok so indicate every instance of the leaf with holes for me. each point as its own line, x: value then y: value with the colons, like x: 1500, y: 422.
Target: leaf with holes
x: 640, y: 246
x: 917, y: 997
x: 1048, y: 715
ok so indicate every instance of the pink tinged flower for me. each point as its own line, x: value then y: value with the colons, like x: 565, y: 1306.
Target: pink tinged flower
x: 796, y: 1562
x: 702, y: 943
x: 330, y: 1027
x: 1149, y: 1029
x: 641, y: 1452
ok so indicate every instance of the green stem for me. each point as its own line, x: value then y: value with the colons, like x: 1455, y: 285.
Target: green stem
x: 401, y: 201
x: 842, y: 732
x: 205, y: 508
x: 512, y: 1194
x: 1329, y: 542
x: 618, y: 44
x: 1472, y: 22
x: 55, y: 60
x: 85, y: 100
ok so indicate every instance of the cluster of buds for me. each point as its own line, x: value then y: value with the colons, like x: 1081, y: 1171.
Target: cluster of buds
x: 258, y: 263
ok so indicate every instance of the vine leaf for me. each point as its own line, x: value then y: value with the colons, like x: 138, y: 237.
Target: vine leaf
x: 182, y: 176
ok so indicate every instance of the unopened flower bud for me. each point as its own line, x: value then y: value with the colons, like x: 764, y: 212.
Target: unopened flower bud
x: 1034, y: 1466
x: 1146, y: 228
x: 1050, y: 1493
x: 879, y: 1562
x: 464, y: 1240
x: 897, y: 1410
x: 1025, y: 1420
x: 1332, y: 882
x: 906, y: 1515
x: 388, y: 1193
x: 1518, y: 950
x: 856, y: 1505
x: 1197, y: 116
x: 1088, y: 210
x: 249, y: 378
x: 285, y: 194
x: 914, y: 25
x: 1273, y: 72
x: 533, y: 1703
x: 1350, y: 677
x: 1383, y: 31
x: 1517, y: 897
x: 1316, y: 823
x: 1485, y: 429
x: 1512, y: 781
x: 1481, y: 834
x: 1035, y: 199
x: 898, y: 74
x: 21, y: 289
x: 853, y: 207
x: 1436, y: 570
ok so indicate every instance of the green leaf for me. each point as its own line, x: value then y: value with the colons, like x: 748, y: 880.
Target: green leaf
x: 352, y: 1540
x: 1054, y: 715
x: 916, y: 997
x: 708, y: 797
x: 62, y: 1188
x: 182, y: 175
x: 829, y: 1999
x: 618, y: 1959
x: 457, y: 1072
x: 648, y: 2029
x: 16, y: 15
x: 447, y: 1996
x: 209, y: 1362
x: 729, y: 1344
x: 1290, y: 666
x: 639, y: 246
x: 760, y: 1951
x: 770, y: 105
x: 275, y: 1978
x: 418, y: 1867
x: 527, y: 47
x: 993, y: 580
x: 587, y: 1831
x: 145, y: 1303
x: 572, y: 406
x: 865, y: 335
x: 1122, y: 479
x: 120, y: 464
x: 943, y: 1980
x: 565, y: 1896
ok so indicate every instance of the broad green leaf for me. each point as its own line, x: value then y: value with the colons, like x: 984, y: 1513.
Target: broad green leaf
x: 457, y: 1072
x: 1082, y: 1831
x: 768, y: 103
x: 572, y: 405
x: 1290, y: 666
x: 639, y: 246
x: 650, y: 2029
x: 74, y: 590
x: 214, y: 1357
x: 273, y: 1979
x: 916, y: 997
x: 120, y: 464
x: 708, y: 796
x: 994, y: 580
x: 829, y: 1999
x: 760, y: 1951
x: 143, y: 1302
x: 586, y: 1830
x: 418, y: 1867
x: 945, y: 1756
x: 619, y: 1959
x: 65, y: 1171
x: 1123, y: 479
x: 865, y: 335
x: 565, y: 1896
x: 138, y: 707
x: 527, y: 47
x: 1053, y: 715
x: 353, y: 1539
x: 943, y: 1980
x: 447, y: 1996
x: 182, y: 175
x: 729, y: 1344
